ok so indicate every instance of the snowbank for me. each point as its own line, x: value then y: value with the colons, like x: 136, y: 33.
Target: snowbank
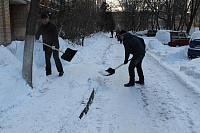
x: 192, y: 68
x: 10, y: 77
x: 175, y: 58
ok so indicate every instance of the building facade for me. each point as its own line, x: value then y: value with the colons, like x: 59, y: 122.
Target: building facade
x: 14, y: 13
x: 5, y: 29
x: 13, y: 17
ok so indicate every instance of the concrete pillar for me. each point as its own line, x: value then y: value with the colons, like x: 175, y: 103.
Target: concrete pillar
x: 5, y: 30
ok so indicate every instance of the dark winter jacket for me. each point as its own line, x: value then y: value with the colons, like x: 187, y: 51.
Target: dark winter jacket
x: 49, y: 35
x: 142, y: 41
x: 133, y: 45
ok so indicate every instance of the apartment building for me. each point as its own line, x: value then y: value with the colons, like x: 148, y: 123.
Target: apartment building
x: 13, y: 18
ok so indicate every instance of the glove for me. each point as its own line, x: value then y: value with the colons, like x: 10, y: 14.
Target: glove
x: 125, y: 61
x: 38, y: 41
x: 53, y: 47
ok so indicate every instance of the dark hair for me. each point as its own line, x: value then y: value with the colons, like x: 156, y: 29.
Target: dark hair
x: 44, y: 15
x: 122, y: 32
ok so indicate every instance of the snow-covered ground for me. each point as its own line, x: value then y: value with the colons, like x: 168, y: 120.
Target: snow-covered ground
x: 169, y: 102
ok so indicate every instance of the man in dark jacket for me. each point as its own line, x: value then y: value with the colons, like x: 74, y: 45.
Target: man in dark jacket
x: 50, y: 36
x: 135, y: 46
x: 117, y: 36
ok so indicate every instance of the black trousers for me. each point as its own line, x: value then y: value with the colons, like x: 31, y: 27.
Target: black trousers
x: 48, y: 53
x: 136, y: 61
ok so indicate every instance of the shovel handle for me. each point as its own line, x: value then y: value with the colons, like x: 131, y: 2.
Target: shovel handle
x: 51, y: 47
x: 121, y: 65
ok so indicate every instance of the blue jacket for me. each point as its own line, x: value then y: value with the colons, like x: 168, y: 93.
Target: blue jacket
x: 133, y: 45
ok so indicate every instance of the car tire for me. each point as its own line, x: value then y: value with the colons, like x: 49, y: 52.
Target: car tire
x: 177, y: 45
x: 189, y: 56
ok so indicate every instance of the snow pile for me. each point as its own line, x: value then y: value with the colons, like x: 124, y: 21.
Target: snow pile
x: 163, y: 36
x: 166, y: 53
x: 195, y: 35
x: 174, y: 58
x: 10, y: 77
x: 16, y: 48
x: 192, y: 68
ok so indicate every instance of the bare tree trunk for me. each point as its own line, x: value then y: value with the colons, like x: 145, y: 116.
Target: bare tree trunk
x: 28, y: 59
x: 29, y: 42
x: 194, y: 5
x: 83, y: 41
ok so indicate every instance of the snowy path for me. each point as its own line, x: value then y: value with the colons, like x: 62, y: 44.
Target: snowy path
x: 171, y: 105
x: 162, y: 105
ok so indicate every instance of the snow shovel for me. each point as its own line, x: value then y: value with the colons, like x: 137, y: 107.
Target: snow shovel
x: 110, y: 71
x: 67, y: 55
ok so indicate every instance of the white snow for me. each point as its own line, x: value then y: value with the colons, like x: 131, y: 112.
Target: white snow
x: 169, y: 102
x: 195, y: 35
x: 163, y: 36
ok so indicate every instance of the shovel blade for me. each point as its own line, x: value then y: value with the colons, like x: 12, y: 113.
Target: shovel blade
x: 69, y: 54
x: 107, y: 72
x: 111, y: 71
x: 104, y: 73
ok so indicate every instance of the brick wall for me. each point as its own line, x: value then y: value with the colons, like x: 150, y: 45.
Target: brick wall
x: 5, y: 29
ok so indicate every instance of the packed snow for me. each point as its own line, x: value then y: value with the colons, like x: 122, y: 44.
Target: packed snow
x: 168, y: 102
x: 195, y: 35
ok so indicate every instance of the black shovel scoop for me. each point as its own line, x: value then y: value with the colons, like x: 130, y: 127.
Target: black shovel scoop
x: 67, y: 55
x: 110, y: 71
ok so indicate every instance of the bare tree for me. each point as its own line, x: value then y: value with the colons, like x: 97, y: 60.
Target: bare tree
x: 79, y: 19
x: 193, y: 8
x: 165, y: 14
x: 29, y: 42
x: 177, y: 15
x: 102, y: 16
x: 135, y: 15
x: 106, y: 21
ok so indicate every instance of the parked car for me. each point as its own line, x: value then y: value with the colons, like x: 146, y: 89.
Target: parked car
x: 141, y: 33
x: 194, y: 45
x: 151, y: 33
x: 173, y: 38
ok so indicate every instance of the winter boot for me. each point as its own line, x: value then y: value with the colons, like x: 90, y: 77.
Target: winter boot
x: 139, y: 82
x: 48, y: 73
x: 61, y: 74
x: 129, y: 84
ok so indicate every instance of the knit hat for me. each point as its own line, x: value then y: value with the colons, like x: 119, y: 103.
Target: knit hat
x: 44, y: 15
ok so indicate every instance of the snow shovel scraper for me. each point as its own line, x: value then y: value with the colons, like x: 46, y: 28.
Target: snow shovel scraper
x: 67, y: 55
x: 110, y: 71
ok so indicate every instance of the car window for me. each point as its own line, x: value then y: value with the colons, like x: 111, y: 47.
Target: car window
x: 186, y: 34
x: 181, y: 34
x: 174, y: 34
